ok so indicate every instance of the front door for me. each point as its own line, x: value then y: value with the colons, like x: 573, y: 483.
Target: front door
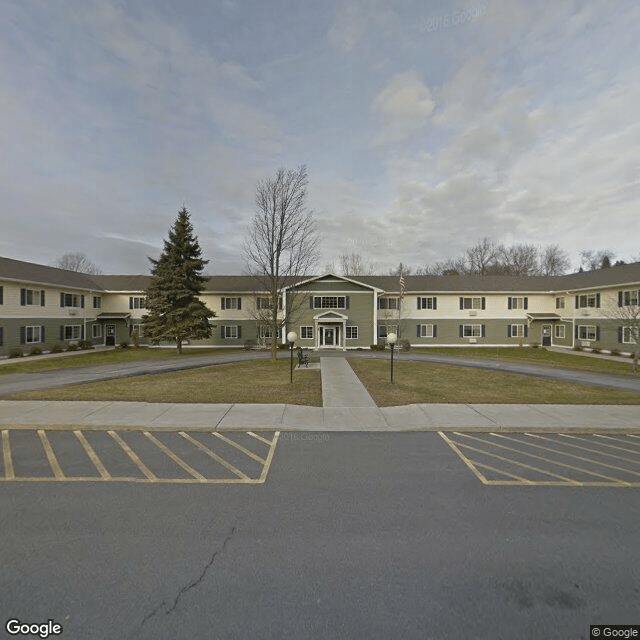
x: 546, y: 335
x: 329, y: 336
x: 110, y: 339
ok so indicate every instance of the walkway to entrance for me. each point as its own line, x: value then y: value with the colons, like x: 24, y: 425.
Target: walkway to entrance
x: 340, y: 385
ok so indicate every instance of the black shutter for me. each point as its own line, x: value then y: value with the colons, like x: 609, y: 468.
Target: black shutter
x: 1, y: 295
x: 239, y: 332
x: 23, y: 331
x: 484, y: 332
x: 61, y: 332
x: 346, y: 302
x: 239, y: 304
x: 42, y: 333
x: 619, y: 334
x: 222, y: 331
x: 526, y: 302
x: 435, y: 304
x: 1, y: 336
x: 526, y: 331
x: 576, y: 331
x: 23, y: 297
x: 597, y: 332
x: 619, y: 300
x: 461, y: 328
x: 597, y: 300
x: 130, y: 302
x: 435, y: 330
x: 577, y: 302
x: 310, y: 302
x: 62, y: 299
x: 418, y: 302
x: 417, y: 331
x: 509, y: 304
x: 509, y: 328
x: 82, y: 301
x: 462, y: 303
x: 42, y: 297
x: 222, y: 303
x: 483, y: 303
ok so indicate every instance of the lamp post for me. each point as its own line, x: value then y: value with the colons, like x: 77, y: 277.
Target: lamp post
x: 292, y: 336
x: 392, y: 338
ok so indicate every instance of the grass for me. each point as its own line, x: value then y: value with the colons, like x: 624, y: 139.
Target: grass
x: 422, y: 382
x: 35, y: 364
x: 569, y: 360
x: 259, y: 381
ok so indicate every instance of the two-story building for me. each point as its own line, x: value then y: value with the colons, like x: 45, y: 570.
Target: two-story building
x: 44, y: 306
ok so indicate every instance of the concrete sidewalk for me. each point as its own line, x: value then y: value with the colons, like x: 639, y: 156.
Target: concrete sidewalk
x: 286, y: 417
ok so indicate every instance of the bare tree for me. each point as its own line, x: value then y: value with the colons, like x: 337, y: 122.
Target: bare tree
x: 77, y: 261
x: 517, y: 260
x: 592, y: 260
x: 401, y: 270
x: 353, y: 264
x: 482, y: 257
x: 282, y: 242
x: 553, y: 261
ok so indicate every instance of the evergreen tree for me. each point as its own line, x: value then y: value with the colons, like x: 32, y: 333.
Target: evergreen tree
x: 175, y: 313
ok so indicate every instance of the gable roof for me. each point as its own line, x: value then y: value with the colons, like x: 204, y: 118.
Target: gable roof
x: 29, y: 272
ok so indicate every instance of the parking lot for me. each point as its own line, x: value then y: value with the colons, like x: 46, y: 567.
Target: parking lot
x: 136, y: 456
x: 553, y: 459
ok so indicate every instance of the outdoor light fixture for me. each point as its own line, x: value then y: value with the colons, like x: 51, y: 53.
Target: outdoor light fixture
x: 292, y: 336
x: 392, y: 338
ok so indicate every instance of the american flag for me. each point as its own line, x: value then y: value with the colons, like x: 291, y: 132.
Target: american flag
x: 402, y: 286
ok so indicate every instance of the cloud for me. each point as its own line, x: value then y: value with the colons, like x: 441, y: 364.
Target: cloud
x: 404, y: 104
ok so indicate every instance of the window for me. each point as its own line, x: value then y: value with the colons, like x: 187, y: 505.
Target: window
x: 428, y: 303
x: 33, y: 297
x: 559, y: 331
x: 330, y: 302
x: 517, y: 302
x: 587, y: 332
x: 137, y: 302
x: 1, y: 295
x: 72, y: 332
x: 306, y: 333
x: 139, y: 328
x: 387, y: 303
x: 97, y: 302
x: 235, y: 303
x: 1, y: 335
x: 96, y: 331
x: 471, y: 330
x: 628, y: 298
x: 263, y: 303
x: 472, y: 303
x: 588, y: 300
x: 384, y: 330
x: 231, y: 331
x: 560, y: 302
x: 426, y: 331
x: 516, y: 331
x: 71, y: 300
x: 264, y: 331
x: 627, y: 335
x: 32, y: 334
x: 351, y: 332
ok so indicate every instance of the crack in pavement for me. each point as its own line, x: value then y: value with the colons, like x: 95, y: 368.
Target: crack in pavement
x: 170, y: 609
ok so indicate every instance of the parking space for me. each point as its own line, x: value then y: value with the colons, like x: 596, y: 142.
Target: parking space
x: 77, y: 455
x: 550, y: 459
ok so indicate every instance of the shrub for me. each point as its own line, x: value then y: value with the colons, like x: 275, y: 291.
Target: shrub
x: 135, y: 338
x: 595, y: 350
x: 377, y: 347
x: 577, y: 347
x: 283, y: 346
x: 614, y: 352
x: 35, y: 351
x: 405, y: 345
x: 16, y: 352
x: 249, y: 344
x: 57, y: 348
x: 85, y: 344
x: 534, y: 345
x: 124, y: 344
x: 72, y: 346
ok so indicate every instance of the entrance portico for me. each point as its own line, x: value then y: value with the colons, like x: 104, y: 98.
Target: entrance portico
x: 329, y: 329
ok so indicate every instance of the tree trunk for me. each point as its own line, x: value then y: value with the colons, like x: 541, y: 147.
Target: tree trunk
x: 179, y: 345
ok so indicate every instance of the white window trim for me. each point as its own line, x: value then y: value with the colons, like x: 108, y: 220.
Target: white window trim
x: 476, y: 302
x: 427, y: 303
x: 319, y: 302
x: 626, y: 336
x: 473, y: 328
x: 559, y: 332
x: 424, y: 331
x: 36, y: 330
x: 308, y: 329
x: 96, y: 331
x: 517, y: 331
x: 77, y: 328
x: 350, y: 329
x: 231, y: 329
x: 589, y: 331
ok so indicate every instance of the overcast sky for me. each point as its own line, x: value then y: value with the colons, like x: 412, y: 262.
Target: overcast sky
x: 425, y: 125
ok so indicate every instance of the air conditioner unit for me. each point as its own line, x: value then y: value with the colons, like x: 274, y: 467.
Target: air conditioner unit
x: 73, y: 312
x: 585, y: 343
x: 473, y: 312
x: 472, y: 340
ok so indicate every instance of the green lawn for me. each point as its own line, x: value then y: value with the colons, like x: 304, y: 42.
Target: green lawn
x: 569, y: 360
x: 422, y: 382
x: 258, y: 381
x: 34, y: 364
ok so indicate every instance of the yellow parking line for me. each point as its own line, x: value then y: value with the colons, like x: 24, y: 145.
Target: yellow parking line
x: 553, y: 462
x: 267, y: 464
x: 190, y: 470
x: 139, y: 480
x: 563, y: 453
x: 598, y: 451
x: 258, y: 437
x: 214, y: 455
x: 51, y: 456
x: 239, y: 447
x: 613, y: 446
x: 504, y: 473
x: 93, y: 456
x: 132, y: 454
x: 6, y: 455
x: 520, y: 464
x: 463, y: 458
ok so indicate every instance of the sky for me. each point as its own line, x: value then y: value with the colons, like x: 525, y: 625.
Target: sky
x: 425, y: 125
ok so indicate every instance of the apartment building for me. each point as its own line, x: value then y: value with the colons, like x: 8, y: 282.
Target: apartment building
x: 42, y: 306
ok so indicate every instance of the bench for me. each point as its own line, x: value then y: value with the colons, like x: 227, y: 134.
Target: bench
x: 303, y: 359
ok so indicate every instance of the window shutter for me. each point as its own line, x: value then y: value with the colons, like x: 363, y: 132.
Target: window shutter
x: 61, y: 332
x: 484, y: 332
x: 509, y: 328
x: 82, y: 301
x: 509, y: 304
x: 42, y: 333
x: 222, y: 331
x: 346, y: 302
x: 435, y: 304
x: 23, y: 297
x: 239, y: 304
x: 417, y: 331
x: 526, y: 331
x: 1, y: 295
x: 483, y: 303
x: 619, y: 334
x: 42, y: 297
x: 526, y: 302
x: 460, y: 328
x: 576, y: 331
x: 619, y: 300
x: 1, y: 336
x: 239, y: 332
x: 597, y: 332
x: 462, y: 303
x: 597, y: 300
x: 577, y: 302
x: 130, y: 302
x: 62, y: 299
x: 435, y: 330
x: 310, y: 302
x: 23, y: 331
x: 418, y: 302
